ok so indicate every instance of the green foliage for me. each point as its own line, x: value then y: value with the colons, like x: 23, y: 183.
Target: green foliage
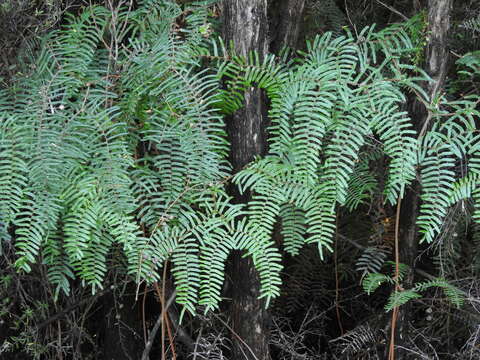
x: 362, y: 185
x: 452, y: 293
x: 399, y: 298
x: 371, y: 261
x: 373, y: 281
x: 109, y: 149
x: 472, y: 25
x: 416, y: 29
x: 324, y: 107
x: 115, y: 143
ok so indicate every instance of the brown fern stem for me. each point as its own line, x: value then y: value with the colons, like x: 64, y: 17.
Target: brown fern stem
x: 391, y: 354
x: 337, y: 291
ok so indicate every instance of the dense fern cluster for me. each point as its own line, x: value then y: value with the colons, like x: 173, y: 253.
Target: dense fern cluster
x: 331, y: 105
x: 112, y: 142
x: 114, y: 139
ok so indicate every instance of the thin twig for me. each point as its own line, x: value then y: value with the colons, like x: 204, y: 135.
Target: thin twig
x: 337, y: 283
x: 391, y: 354
x: 70, y: 308
x: 153, y: 333
x: 144, y: 324
x: 393, y: 10
x: 196, y: 344
x: 349, y: 19
x: 236, y: 335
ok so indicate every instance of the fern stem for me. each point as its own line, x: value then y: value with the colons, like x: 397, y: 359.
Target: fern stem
x: 337, y: 293
x: 391, y: 355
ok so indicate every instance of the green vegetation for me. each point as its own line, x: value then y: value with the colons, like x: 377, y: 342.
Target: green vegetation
x: 114, y: 163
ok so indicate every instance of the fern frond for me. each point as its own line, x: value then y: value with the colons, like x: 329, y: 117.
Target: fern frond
x: 362, y: 184
x: 453, y: 294
x: 437, y: 182
x: 59, y: 270
x: 371, y: 261
x: 395, y: 131
x: 373, y: 281
x: 293, y: 228
x: 472, y: 25
x: 265, y: 256
x: 13, y: 169
x: 186, y: 271
x: 399, y: 298
x: 214, y: 251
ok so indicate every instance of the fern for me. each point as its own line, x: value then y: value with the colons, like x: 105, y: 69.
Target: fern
x: 362, y: 184
x: 88, y: 157
x: 399, y: 298
x: 453, y: 294
x: 112, y: 149
x: 373, y: 281
x: 332, y: 101
x: 371, y: 260
x: 472, y: 25
x: 293, y: 228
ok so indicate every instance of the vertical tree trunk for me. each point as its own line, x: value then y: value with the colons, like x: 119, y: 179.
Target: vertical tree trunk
x: 437, y: 50
x: 289, y: 15
x: 436, y: 62
x: 245, y: 23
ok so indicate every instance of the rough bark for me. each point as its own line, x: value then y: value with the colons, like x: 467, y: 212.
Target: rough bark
x: 437, y: 50
x: 289, y: 15
x: 436, y: 63
x: 245, y: 24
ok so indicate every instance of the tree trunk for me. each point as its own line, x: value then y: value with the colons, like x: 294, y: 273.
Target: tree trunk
x: 289, y: 15
x: 436, y: 62
x: 245, y: 23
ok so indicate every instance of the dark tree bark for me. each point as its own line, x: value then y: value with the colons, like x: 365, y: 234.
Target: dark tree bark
x: 289, y: 15
x: 245, y: 23
x: 437, y: 51
x: 436, y: 63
